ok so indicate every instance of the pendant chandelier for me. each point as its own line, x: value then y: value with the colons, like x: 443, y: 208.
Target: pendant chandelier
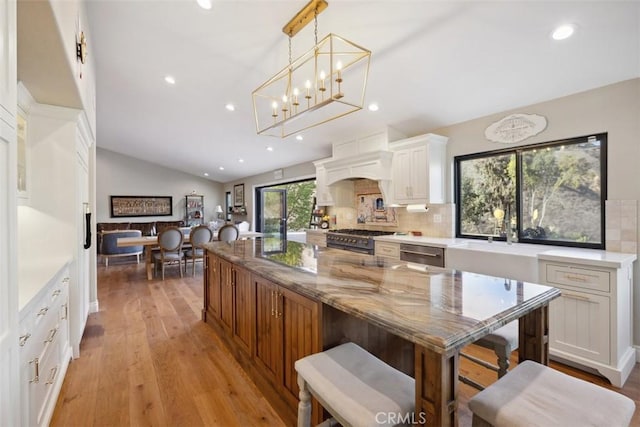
x: 325, y: 83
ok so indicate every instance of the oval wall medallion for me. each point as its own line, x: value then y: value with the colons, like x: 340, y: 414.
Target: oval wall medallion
x: 515, y: 128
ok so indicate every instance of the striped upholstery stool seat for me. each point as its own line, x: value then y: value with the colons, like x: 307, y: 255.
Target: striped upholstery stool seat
x: 535, y: 395
x: 357, y: 388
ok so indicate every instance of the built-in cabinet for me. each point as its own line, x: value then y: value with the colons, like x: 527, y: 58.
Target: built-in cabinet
x: 387, y: 249
x: 193, y: 210
x: 9, y: 363
x: 591, y: 323
x: 418, y: 169
x: 44, y: 349
x: 286, y: 330
x: 271, y: 325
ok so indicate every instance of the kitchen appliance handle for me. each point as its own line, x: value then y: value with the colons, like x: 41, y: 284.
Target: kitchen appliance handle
x: 420, y: 253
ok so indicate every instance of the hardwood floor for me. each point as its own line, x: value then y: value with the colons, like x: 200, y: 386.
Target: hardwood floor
x: 148, y: 359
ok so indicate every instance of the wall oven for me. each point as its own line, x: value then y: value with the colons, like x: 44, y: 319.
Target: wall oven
x: 419, y: 254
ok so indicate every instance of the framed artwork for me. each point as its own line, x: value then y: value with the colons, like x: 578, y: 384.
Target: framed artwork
x: 238, y: 195
x: 123, y: 206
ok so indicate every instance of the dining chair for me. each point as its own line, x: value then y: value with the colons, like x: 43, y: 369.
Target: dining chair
x: 170, y: 242
x: 199, y: 235
x: 109, y: 245
x: 228, y: 232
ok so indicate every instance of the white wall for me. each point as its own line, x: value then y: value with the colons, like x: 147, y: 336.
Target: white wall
x: 120, y: 175
x: 614, y: 109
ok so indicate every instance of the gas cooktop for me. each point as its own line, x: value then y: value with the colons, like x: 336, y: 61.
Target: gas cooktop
x: 356, y: 232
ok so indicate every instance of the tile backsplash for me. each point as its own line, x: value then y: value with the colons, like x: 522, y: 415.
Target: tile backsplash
x: 621, y: 226
x: 437, y: 222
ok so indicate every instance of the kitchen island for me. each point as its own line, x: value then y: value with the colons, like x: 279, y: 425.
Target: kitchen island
x: 279, y: 301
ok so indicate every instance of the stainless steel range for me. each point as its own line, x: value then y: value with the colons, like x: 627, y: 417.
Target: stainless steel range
x: 349, y: 239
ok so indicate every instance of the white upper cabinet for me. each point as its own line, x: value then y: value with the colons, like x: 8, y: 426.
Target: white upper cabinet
x: 8, y: 62
x: 419, y: 169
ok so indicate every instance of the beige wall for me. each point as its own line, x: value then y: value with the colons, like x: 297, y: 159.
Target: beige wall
x: 120, y: 175
x: 614, y: 109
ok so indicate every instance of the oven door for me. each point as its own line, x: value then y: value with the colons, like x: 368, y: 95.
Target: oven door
x: 331, y: 244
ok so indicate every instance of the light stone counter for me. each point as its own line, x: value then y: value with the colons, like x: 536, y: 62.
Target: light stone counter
x: 439, y: 309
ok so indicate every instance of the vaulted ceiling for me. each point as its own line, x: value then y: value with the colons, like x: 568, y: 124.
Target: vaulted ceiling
x: 433, y: 63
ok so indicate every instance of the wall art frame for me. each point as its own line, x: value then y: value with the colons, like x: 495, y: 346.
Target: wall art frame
x: 238, y: 195
x: 131, y: 206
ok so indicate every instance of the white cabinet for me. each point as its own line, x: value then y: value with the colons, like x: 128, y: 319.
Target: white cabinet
x: 9, y: 379
x: 378, y: 141
x: 591, y: 323
x: 323, y: 195
x: 387, y: 249
x: 419, y: 169
x: 44, y: 350
x: 8, y: 67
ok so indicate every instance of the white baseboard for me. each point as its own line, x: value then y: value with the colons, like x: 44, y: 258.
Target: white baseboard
x: 93, y: 307
x: 637, y: 347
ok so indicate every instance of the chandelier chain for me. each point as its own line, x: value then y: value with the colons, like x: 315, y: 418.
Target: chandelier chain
x: 315, y: 24
x: 289, y: 51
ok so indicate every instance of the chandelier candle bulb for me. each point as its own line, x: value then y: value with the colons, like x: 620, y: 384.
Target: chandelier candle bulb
x: 322, y: 77
x: 274, y: 114
x: 296, y: 92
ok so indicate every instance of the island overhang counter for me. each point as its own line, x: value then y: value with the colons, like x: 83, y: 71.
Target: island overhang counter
x: 438, y: 311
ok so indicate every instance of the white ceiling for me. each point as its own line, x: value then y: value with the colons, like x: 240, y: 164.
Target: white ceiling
x: 433, y: 63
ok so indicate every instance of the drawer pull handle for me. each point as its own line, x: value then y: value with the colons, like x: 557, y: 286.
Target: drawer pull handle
x: 36, y: 378
x: 273, y: 310
x: 52, y: 375
x: 574, y: 296
x: 575, y: 278
x: 24, y: 338
x: 43, y: 311
x: 56, y: 292
x: 65, y: 280
x: 52, y: 335
x: 65, y: 315
x: 278, y: 312
x: 420, y: 253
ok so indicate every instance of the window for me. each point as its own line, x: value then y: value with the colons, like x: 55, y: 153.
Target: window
x: 550, y: 193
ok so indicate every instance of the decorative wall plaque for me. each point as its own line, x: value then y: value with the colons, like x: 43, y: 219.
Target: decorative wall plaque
x: 515, y: 128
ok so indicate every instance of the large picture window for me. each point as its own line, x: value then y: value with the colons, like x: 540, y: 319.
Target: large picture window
x: 550, y: 193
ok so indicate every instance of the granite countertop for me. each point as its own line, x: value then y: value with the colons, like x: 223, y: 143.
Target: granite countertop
x: 440, y: 309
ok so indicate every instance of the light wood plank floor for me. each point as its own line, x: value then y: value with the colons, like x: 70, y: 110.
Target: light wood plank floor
x: 147, y: 359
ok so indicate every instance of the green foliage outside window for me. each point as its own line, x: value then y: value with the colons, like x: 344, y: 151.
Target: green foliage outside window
x: 548, y: 193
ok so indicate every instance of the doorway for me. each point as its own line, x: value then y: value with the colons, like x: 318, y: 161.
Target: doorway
x: 292, y: 200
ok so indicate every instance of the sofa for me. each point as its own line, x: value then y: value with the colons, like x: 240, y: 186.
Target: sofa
x: 146, y: 228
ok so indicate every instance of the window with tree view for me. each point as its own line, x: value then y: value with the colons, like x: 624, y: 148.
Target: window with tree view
x: 545, y: 193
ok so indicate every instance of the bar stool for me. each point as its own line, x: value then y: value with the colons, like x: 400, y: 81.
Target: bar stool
x: 357, y: 388
x: 535, y: 395
x: 502, y: 341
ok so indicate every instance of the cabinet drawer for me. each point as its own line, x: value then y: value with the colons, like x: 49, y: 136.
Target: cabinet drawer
x: 390, y: 250
x: 578, y: 277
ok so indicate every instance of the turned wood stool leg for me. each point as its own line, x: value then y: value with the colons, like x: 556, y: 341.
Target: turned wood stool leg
x: 503, y: 353
x: 304, y: 407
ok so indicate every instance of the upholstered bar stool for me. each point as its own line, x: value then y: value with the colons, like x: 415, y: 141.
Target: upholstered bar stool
x: 357, y: 388
x: 532, y: 394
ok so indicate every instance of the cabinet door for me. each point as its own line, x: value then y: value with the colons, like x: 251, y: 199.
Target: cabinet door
x: 243, y: 308
x: 213, y: 286
x: 268, y: 338
x: 579, y: 324
x: 402, y: 175
x: 226, y: 295
x: 419, y: 178
x: 301, y: 335
x: 8, y: 87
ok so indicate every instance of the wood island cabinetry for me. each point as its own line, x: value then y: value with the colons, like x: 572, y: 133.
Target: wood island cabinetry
x: 273, y: 326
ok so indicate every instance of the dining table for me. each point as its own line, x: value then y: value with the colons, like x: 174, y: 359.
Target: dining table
x: 151, y: 242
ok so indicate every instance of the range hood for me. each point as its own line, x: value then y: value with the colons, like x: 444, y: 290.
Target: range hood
x: 375, y: 165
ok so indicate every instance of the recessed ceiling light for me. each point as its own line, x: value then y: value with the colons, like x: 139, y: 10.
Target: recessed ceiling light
x: 299, y: 137
x: 205, y: 4
x: 269, y: 148
x: 170, y: 79
x: 230, y: 107
x: 205, y: 174
x: 373, y: 107
x: 563, y: 32
x: 240, y: 160
x: 221, y: 168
